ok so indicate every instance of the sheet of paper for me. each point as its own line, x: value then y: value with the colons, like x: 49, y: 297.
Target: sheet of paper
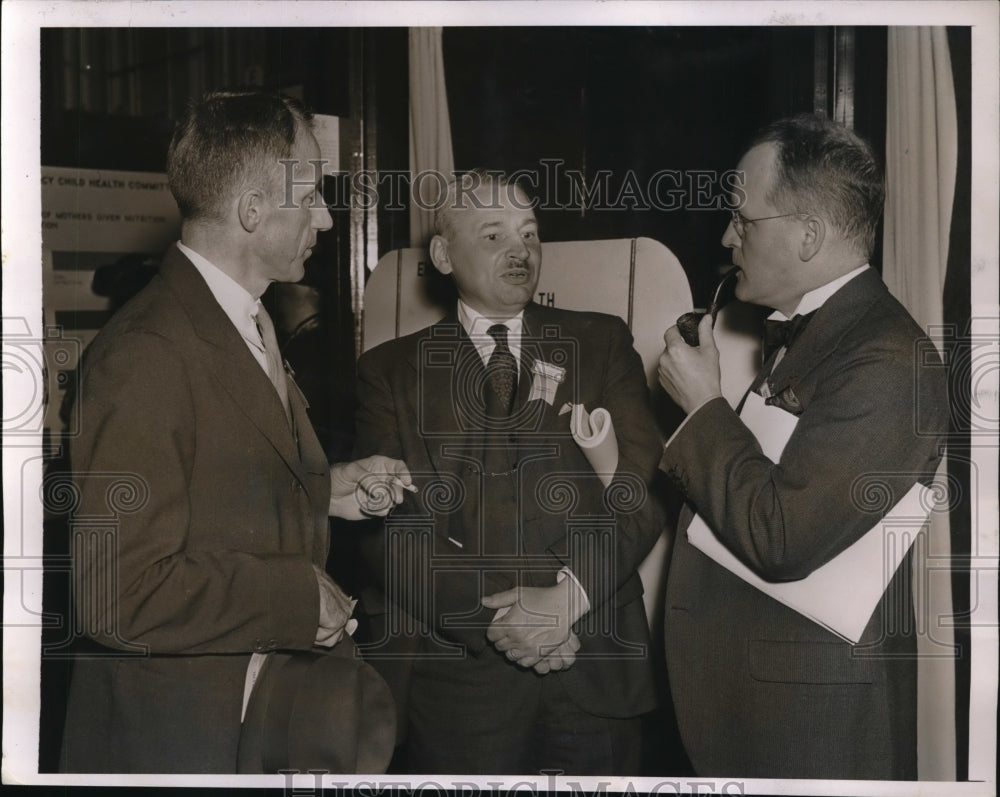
x: 772, y: 426
x: 842, y: 594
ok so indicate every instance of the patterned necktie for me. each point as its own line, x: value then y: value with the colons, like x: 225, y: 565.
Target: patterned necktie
x: 501, y: 374
x: 275, y: 369
x: 783, y: 333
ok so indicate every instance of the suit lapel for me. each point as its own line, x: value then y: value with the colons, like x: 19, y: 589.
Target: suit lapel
x: 311, y: 453
x: 444, y: 394
x: 545, y: 343
x: 446, y: 399
x: 229, y: 359
x: 839, y: 314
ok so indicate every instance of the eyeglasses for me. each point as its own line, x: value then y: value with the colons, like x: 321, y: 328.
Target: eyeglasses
x: 740, y: 221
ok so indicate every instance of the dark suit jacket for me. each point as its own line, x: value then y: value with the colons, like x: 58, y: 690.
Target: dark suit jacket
x: 420, y: 400
x: 760, y: 690
x: 209, y: 557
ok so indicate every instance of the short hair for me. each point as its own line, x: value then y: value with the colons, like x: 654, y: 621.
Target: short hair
x: 229, y: 141
x: 824, y: 167
x: 469, y: 181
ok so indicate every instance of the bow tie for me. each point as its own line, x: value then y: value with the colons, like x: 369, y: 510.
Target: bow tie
x: 783, y: 333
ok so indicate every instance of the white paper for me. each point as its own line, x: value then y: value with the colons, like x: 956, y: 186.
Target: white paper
x: 772, y: 426
x: 842, y: 594
x: 595, y: 434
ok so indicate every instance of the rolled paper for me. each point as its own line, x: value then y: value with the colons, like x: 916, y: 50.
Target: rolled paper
x: 595, y: 434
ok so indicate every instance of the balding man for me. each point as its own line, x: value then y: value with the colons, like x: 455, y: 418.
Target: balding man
x: 535, y: 655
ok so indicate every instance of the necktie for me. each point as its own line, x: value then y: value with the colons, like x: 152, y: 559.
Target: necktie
x: 783, y: 333
x: 500, y: 512
x: 501, y: 374
x: 776, y: 335
x: 275, y: 369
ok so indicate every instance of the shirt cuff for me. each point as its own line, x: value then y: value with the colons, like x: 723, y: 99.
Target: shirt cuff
x: 565, y: 573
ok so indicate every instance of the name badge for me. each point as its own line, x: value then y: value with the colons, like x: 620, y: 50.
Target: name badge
x: 546, y: 378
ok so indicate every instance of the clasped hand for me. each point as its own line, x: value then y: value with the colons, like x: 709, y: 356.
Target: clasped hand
x: 367, y: 487
x: 335, y: 609
x: 534, y: 625
x: 690, y: 374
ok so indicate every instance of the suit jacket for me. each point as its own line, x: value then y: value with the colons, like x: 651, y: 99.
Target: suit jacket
x: 759, y: 690
x: 420, y: 400
x: 203, y: 553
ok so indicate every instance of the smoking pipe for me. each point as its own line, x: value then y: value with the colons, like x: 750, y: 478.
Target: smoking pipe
x: 687, y: 324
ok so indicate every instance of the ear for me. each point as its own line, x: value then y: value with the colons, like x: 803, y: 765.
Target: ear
x: 250, y: 207
x: 439, y: 254
x: 813, y: 234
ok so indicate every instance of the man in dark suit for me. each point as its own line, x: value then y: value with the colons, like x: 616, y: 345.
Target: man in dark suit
x: 759, y: 689
x: 516, y: 559
x: 200, y: 533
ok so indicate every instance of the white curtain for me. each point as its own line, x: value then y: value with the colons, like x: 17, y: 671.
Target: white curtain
x: 430, y: 130
x: 921, y: 161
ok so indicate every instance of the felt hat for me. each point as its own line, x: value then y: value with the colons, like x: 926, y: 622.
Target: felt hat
x: 318, y: 711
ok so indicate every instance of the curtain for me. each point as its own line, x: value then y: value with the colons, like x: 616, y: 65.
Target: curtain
x: 921, y: 163
x: 430, y: 131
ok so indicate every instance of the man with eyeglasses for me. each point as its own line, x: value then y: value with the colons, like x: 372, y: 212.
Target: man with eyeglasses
x: 760, y: 690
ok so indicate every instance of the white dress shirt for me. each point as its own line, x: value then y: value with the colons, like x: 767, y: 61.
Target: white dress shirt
x: 476, y: 324
x: 814, y: 300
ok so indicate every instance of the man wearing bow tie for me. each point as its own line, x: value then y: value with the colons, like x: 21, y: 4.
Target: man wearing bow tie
x: 759, y: 689
x: 213, y: 545
x: 515, y: 558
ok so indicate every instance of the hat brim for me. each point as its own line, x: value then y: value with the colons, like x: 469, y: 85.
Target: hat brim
x: 325, y: 711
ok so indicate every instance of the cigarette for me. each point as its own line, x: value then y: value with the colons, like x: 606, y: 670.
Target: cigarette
x: 408, y: 487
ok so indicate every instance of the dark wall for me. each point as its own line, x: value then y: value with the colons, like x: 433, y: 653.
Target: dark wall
x: 615, y: 106
x: 618, y: 106
x: 110, y: 96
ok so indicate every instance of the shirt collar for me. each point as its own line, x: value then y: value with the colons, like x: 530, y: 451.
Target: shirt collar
x: 238, y: 305
x: 817, y: 297
x: 476, y: 324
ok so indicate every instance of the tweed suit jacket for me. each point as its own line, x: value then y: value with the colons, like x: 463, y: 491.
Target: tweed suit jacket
x: 420, y: 400
x: 211, y: 560
x: 760, y: 690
